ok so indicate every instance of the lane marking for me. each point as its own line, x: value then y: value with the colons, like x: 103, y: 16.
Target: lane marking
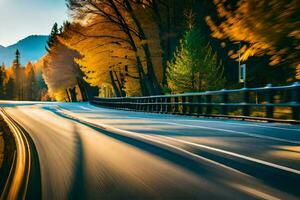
x: 23, y: 160
x: 154, y: 139
x: 236, y: 132
x: 140, y: 135
x: 254, y: 192
x: 236, y: 155
x: 147, y: 138
x: 244, y: 124
x: 220, y: 129
x: 204, y: 120
x: 86, y: 108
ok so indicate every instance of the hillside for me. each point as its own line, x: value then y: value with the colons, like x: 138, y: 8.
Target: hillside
x: 31, y: 48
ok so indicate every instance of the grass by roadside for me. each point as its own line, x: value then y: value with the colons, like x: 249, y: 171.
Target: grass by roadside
x: 7, y: 149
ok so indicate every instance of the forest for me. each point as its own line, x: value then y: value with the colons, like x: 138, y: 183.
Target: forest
x: 119, y: 48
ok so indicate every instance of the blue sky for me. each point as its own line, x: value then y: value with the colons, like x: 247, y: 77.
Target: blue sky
x: 21, y: 18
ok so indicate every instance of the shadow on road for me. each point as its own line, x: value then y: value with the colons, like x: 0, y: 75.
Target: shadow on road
x: 273, y: 177
x: 78, y: 190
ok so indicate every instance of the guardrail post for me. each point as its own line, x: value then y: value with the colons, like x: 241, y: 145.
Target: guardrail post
x: 246, y: 99
x: 296, y: 101
x: 139, y: 105
x: 131, y: 105
x: 159, y: 105
x: 169, y: 106
x: 176, y: 106
x: 151, y: 101
x: 191, y: 106
x: 163, y: 105
x: 108, y: 103
x: 224, y: 108
x: 148, y: 104
x: 135, y: 106
x: 118, y: 103
x: 269, y: 102
x: 123, y: 105
x: 144, y: 107
x: 183, y: 102
x: 199, y: 106
x: 154, y: 104
x: 208, y: 105
x: 142, y: 104
x: 127, y: 104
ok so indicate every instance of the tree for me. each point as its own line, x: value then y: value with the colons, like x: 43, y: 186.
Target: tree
x: 19, y: 78
x: 41, y: 85
x: 169, y: 18
x: 52, y: 37
x: 9, y: 89
x: 100, y: 55
x: 194, y: 67
x: 31, y: 83
x: 60, y: 72
x: 265, y: 27
x: 122, y: 16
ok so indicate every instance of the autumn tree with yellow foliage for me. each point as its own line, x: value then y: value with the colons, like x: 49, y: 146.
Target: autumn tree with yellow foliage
x: 61, y: 74
x: 124, y: 28
x: 31, y: 85
x: 264, y: 27
x: 123, y: 47
x: 18, y: 82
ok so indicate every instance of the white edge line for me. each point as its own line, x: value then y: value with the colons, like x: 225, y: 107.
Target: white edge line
x: 194, y: 144
x: 236, y: 155
x: 210, y: 121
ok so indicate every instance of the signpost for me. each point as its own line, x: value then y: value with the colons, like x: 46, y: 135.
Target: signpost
x: 242, y: 69
x: 242, y: 74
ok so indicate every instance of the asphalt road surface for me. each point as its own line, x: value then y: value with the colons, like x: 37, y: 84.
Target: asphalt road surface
x: 86, y: 152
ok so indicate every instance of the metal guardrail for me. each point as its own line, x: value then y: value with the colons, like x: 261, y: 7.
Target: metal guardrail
x: 267, y: 103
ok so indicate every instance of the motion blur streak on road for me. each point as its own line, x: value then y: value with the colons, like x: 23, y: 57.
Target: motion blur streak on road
x: 87, y: 152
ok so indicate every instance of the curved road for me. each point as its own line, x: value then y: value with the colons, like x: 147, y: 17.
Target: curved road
x: 87, y: 152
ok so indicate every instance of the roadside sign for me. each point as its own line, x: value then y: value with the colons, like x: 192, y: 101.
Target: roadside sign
x: 242, y: 73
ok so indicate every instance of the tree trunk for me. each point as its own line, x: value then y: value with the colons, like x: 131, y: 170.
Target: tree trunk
x: 68, y: 95
x: 150, y: 69
x: 113, y: 83
x: 73, y: 94
x: 125, y: 28
x: 162, y: 32
x: 122, y: 93
x: 82, y: 89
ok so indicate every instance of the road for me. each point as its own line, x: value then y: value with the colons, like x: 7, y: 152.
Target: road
x: 86, y: 152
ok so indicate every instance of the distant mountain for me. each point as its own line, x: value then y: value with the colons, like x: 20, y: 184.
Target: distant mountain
x: 32, y: 48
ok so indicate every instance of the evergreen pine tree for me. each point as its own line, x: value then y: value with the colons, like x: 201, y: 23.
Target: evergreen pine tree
x: 31, y: 82
x: 52, y: 37
x: 194, y: 67
x: 17, y: 78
